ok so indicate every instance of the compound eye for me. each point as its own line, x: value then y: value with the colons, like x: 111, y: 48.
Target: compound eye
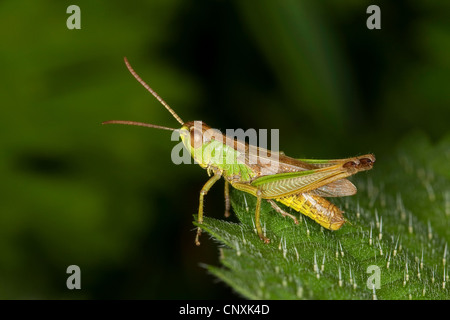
x: 196, y: 138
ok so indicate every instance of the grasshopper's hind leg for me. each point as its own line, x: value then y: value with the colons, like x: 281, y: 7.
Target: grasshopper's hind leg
x: 281, y: 211
x: 258, y: 218
x: 203, y: 192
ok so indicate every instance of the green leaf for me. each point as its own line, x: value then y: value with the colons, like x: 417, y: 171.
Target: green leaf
x: 398, y: 224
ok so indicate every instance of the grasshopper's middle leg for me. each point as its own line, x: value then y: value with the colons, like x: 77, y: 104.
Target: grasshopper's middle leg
x: 203, y: 192
x: 258, y: 218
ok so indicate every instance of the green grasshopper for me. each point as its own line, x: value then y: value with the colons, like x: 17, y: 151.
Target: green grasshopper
x: 300, y: 184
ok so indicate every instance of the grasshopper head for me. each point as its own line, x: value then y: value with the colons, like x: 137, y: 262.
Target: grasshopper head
x: 196, y: 135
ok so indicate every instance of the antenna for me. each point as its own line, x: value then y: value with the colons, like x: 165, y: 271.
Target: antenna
x: 141, y: 124
x: 146, y: 86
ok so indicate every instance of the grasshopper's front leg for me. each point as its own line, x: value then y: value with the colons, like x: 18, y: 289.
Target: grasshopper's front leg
x: 203, y: 192
x: 227, y: 199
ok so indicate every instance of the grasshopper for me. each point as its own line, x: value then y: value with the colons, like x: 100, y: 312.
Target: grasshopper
x: 300, y: 184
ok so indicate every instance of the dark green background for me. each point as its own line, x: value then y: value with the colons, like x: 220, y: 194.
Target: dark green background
x: 109, y: 199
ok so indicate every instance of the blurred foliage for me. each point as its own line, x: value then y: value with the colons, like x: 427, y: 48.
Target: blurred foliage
x: 109, y: 199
